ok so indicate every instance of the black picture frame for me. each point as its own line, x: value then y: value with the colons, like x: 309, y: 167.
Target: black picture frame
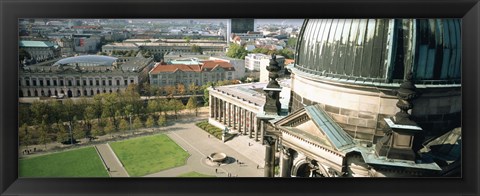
x: 12, y: 10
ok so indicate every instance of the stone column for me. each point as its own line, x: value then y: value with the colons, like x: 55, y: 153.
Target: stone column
x: 215, y: 108
x: 212, y: 106
x: 244, y: 122
x: 251, y: 125
x: 229, y: 122
x: 269, y: 142
x: 285, y: 158
x: 259, y: 128
x: 235, y: 119
x: 224, y: 112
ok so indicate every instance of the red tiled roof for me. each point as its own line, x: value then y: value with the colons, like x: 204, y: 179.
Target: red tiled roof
x: 206, y: 66
x: 213, y: 63
x: 172, y: 68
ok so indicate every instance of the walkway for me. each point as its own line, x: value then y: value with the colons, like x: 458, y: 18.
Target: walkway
x: 111, y: 160
x: 199, y: 145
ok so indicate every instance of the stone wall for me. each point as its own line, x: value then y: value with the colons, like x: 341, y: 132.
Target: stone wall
x: 361, y: 110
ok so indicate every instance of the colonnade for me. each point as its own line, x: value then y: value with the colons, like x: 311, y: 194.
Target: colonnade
x: 235, y: 117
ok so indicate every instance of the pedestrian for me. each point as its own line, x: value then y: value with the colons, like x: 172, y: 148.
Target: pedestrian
x: 248, y: 143
x: 34, y: 149
x: 209, y: 136
x: 216, y: 171
x: 257, y: 166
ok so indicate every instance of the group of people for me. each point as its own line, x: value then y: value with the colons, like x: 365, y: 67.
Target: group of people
x: 28, y: 151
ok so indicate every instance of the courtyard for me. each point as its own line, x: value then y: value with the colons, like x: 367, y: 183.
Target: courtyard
x: 179, y: 150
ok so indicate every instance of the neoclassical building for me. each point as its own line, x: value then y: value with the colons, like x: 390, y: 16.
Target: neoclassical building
x: 197, y: 72
x: 85, y: 75
x: 369, y: 98
x: 368, y: 94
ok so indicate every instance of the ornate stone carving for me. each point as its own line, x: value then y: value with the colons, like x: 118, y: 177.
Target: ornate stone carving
x: 272, y: 103
x: 405, y: 94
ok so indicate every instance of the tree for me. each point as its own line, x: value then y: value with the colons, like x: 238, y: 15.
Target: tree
x: 98, y: 129
x: 181, y: 89
x: 79, y: 131
x: 109, y: 127
x: 39, y: 111
x: 88, y: 116
x: 192, y: 105
x: 137, y: 123
x: 261, y: 50
x: 206, y: 96
x: 24, y: 136
x: 187, y: 39
x: 152, y: 106
x: 176, y: 105
x: 162, y: 120
x: 171, y: 91
x: 43, y: 137
x: 236, y: 51
x: 287, y: 53
x: 292, y: 42
x: 62, y: 134
x: 123, y: 125
x: 150, y: 121
x: 196, y: 49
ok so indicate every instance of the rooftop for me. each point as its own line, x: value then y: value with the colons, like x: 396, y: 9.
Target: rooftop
x: 87, y: 60
x: 35, y: 44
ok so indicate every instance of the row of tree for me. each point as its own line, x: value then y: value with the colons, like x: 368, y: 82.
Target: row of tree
x: 239, y: 52
x: 67, y: 121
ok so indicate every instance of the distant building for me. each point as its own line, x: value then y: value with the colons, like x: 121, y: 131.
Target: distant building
x: 85, y: 75
x: 124, y: 47
x: 40, y: 50
x: 238, y: 64
x: 393, y: 111
x: 86, y: 43
x: 255, y: 61
x: 199, y: 74
x: 240, y: 25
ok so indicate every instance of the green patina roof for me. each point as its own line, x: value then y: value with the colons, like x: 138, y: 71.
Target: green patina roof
x: 36, y: 44
x: 337, y: 136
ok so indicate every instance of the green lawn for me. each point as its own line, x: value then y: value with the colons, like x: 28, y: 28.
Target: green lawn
x: 83, y: 162
x: 194, y: 174
x: 147, y: 155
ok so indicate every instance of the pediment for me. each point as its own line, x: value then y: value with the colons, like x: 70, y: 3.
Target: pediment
x: 314, y: 124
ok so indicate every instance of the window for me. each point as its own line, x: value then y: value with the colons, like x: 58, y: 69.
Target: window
x: 109, y: 82
x: 41, y: 82
x: 91, y: 83
x: 118, y: 82
x: 48, y: 82
x: 78, y: 82
x: 61, y: 82
x: 131, y: 81
x: 125, y: 82
x: 103, y: 82
x: 85, y: 83
x: 55, y: 82
x: 69, y: 83
x: 34, y: 82
x: 97, y: 82
x: 27, y: 82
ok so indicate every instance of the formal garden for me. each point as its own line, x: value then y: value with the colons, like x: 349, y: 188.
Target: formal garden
x: 83, y: 162
x: 150, y: 154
